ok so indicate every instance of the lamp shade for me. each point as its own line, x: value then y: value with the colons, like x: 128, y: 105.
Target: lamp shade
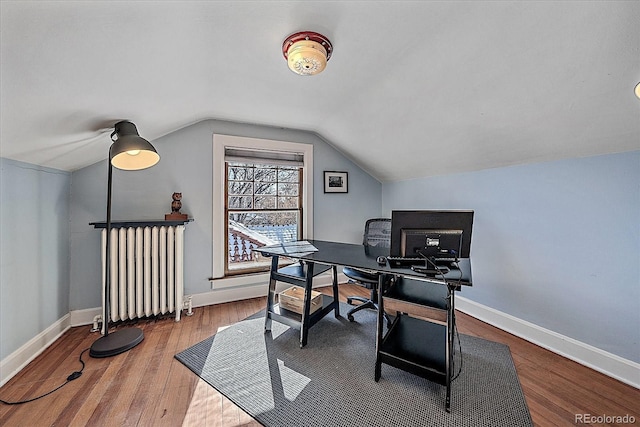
x: 129, y: 150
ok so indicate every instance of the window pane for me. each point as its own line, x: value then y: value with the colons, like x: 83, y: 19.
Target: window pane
x: 240, y: 173
x: 287, y: 189
x: 288, y: 175
x: 240, y: 187
x: 265, y: 174
x: 287, y: 202
x: 265, y: 202
x: 266, y: 188
x: 240, y: 202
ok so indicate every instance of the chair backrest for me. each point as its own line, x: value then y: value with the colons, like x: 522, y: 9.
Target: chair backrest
x: 377, y: 232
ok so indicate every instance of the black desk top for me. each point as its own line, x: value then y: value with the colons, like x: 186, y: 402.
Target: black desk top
x: 356, y: 256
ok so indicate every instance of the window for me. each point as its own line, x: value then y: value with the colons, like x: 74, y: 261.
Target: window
x: 262, y: 194
x: 263, y: 207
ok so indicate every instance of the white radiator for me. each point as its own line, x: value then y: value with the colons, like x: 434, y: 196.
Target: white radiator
x: 146, y: 271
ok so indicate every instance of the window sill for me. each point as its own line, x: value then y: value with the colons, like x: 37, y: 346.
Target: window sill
x: 240, y: 280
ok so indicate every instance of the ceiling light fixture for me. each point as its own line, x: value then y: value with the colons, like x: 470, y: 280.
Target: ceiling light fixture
x: 638, y: 90
x: 307, y: 52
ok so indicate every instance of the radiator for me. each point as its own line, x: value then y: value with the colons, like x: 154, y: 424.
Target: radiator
x: 147, y: 277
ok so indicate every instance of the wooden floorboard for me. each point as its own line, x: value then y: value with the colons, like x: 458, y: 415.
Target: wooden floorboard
x: 147, y: 386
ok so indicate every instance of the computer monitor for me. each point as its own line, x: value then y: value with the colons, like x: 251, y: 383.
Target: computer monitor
x: 430, y: 243
x: 448, y: 230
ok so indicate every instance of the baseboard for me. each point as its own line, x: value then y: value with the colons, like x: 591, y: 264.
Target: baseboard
x: 607, y: 363
x: 20, y: 358
x: 84, y: 317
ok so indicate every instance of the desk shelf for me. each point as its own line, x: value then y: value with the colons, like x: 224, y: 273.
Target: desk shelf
x: 299, y: 274
x: 416, y: 346
x: 420, y: 340
x: 294, y: 320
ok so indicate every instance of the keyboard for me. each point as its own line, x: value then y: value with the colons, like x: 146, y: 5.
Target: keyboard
x: 400, y: 261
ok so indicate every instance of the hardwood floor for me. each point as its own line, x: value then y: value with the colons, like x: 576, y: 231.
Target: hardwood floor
x: 148, y: 387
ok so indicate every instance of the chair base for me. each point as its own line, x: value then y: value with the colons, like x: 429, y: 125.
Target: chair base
x: 364, y: 304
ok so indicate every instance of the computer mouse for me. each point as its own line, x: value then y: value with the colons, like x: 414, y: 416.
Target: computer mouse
x: 382, y: 260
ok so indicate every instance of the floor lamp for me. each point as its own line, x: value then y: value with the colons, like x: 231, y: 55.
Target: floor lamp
x: 129, y: 151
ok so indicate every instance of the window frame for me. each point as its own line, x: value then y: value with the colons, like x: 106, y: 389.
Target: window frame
x: 220, y: 143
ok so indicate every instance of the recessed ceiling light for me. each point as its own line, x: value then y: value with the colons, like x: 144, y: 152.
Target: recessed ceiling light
x: 638, y: 90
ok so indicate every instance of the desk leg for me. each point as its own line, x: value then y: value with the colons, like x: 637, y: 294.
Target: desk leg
x: 449, y: 349
x: 379, y: 329
x: 336, y: 295
x: 304, y: 327
x: 271, y: 294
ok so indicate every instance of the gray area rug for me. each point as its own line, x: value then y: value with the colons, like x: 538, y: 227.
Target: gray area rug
x: 330, y: 382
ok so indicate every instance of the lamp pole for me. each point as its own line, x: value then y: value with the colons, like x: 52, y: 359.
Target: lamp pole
x: 107, y: 273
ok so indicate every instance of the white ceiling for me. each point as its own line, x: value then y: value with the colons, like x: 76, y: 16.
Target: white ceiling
x: 412, y: 89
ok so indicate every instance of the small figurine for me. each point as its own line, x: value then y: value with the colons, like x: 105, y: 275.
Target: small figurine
x: 176, y: 205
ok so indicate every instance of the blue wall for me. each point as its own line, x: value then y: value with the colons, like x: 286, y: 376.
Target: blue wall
x: 186, y: 166
x: 556, y: 244
x: 34, y: 251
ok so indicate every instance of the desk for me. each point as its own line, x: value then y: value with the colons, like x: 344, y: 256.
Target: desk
x: 333, y: 254
x: 392, y: 348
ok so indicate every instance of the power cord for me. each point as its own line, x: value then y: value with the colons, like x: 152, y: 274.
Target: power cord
x: 459, y: 351
x: 73, y: 376
x: 455, y: 325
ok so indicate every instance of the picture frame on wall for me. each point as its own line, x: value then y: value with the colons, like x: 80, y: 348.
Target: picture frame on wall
x: 336, y: 182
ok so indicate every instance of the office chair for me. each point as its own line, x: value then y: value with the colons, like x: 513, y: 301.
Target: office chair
x: 377, y: 232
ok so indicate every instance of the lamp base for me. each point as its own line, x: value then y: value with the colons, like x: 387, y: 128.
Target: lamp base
x: 116, y: 342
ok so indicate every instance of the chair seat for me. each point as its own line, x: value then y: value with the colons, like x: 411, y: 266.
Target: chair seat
x: 360, y: 275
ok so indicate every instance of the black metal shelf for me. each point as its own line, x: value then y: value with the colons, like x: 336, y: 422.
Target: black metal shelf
x: 416, y: 346
x: 299, y: 274
x: 420, y: 340
x: 293, y: 319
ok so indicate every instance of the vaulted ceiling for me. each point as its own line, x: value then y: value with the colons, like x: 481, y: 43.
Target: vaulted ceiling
x: 412, y: 88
